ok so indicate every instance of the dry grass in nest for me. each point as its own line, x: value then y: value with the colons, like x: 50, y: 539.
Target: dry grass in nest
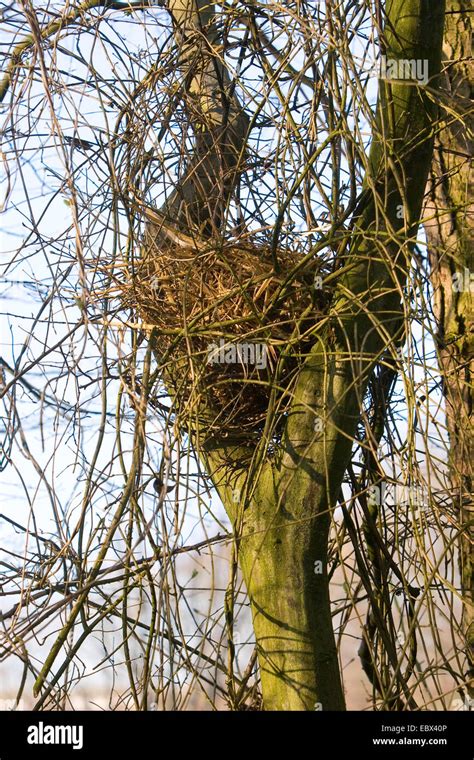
x: 228, y: 328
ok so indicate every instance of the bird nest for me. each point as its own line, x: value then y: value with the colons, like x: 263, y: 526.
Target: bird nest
x: 229, y: 330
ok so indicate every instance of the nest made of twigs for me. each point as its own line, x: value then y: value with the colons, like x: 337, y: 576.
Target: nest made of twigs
x: 230, y: 330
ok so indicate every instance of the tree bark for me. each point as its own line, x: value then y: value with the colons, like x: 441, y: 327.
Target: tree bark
x: 449, y: 212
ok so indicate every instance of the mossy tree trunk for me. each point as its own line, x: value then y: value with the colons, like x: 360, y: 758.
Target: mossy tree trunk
x: 280, y: 506
x: 450, y: 232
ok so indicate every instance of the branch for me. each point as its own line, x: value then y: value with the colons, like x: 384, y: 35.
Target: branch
x: 217, y: 117
x: 28, y: 42
x: 367, y: 313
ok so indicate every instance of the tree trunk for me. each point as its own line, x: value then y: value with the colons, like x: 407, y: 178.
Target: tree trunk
x: 280, y: 505
x: 450, y: 233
